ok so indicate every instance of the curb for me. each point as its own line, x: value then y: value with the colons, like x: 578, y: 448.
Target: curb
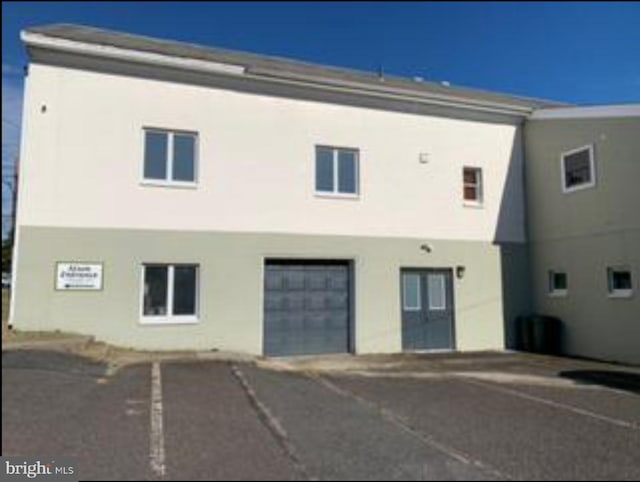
x: 79, y: 342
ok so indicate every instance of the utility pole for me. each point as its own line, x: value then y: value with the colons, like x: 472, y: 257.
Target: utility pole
x: 14, y: 203
x: 11, y: 183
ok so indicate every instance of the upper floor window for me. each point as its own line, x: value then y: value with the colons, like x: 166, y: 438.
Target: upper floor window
x: 472, y: 185
x: 337, y: 171
x: 170, y: 156
x: 578, y: 170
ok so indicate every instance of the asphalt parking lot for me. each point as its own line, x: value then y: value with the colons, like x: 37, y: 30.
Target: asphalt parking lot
x: 453, y: 417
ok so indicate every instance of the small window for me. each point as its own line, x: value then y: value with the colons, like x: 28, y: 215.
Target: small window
x: 184, y: 155
x: 620, y: 282
x: 155, y: 290
x: 170, y: 293
x: 336, y: 171
x: 155, y: 155
x: 411, y: 292
x: 185, y: 281
x: 558, y: 283
x: 436, y: 284
x: 324, y: 169
x: 472, y: 185
x: 170, y: 157
x: 578, y: 170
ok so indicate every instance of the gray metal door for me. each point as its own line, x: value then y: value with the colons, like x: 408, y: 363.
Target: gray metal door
x: 306, y: 307
x: 427, y: 309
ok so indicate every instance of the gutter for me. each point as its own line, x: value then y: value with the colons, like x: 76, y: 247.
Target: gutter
x: 136, y: 56
x: 588, y: 112
x: 392, y: 92
x: 272, y: 76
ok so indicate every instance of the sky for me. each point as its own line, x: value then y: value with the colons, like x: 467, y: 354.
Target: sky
x: 576, y: 52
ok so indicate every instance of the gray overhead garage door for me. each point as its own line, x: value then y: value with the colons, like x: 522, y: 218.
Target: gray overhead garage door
x: 306, y: 307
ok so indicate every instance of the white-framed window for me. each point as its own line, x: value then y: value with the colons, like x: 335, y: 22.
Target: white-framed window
x: 169, y: 293
x: 558, y: 283
x: 170, y: 157
x: 472, y: 185
x: 411, y: 297
x: 578, y: 169
x: 620, y: 282
x: 337, y: 171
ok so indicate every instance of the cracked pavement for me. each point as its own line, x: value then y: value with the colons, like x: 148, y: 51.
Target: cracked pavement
x: 470, y: 417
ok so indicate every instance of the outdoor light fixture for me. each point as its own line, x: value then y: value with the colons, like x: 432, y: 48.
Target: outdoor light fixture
x: 460, y: 272
x: 426, y: 248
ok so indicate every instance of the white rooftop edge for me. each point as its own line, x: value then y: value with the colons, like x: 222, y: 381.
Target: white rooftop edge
x: 131, y: 55
x: 45, y: 41
x: 587, y: 112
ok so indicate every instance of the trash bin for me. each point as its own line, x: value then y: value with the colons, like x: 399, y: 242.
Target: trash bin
x: 523, y: 333
x: 544, y: 335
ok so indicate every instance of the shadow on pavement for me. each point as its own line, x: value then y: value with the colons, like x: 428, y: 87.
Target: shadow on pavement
x: 618, y: 380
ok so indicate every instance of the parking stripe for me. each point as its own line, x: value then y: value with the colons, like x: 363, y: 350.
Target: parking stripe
x: 156, y: 436
x: 271, y: 423
x: 550, y: 403
x: 405, y: 426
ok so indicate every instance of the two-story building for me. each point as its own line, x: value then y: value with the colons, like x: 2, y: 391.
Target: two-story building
x: 175, y: 196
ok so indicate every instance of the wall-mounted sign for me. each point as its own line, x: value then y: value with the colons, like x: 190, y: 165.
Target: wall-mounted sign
x: 79, y: 276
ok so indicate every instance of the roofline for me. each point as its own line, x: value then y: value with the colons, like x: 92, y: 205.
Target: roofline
x: 65, y: 45
x: 587, y: 112
x: 272, y: 76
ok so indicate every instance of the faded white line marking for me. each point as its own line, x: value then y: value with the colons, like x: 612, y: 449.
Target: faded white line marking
x: 272, y: 423
x: 156, y: 451
x: 404, y: 425
x: 551, y: 403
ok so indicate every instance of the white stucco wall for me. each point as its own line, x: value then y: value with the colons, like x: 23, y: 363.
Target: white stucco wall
x: 83, y: 163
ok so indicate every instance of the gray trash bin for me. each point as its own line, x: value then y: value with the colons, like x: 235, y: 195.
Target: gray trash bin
x: 545, y: 335
x: 523, y: 333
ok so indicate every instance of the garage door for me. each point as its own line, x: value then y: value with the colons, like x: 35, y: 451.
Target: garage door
x: 306, y: 307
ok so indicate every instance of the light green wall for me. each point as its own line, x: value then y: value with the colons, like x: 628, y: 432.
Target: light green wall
x: 586, y: 231
x: 597, y: 326
x: 231, y: 285
x: 611, y: 206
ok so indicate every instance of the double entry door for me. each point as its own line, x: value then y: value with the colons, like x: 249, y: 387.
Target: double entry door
x: 427, y: 309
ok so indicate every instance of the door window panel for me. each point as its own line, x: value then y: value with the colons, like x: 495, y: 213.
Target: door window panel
x: 411, y: 292
x: 437, y: 292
